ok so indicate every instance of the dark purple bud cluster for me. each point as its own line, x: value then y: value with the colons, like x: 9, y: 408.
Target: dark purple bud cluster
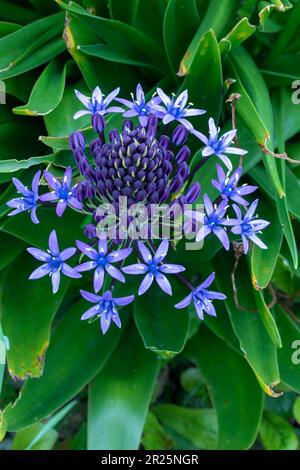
x: 135, y: 163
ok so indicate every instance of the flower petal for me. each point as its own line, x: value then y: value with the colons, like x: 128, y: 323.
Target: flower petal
x: 39, y: 254
x: 67, y: 253
x: 185, y: 302
x: 122, y: 301
x: 161, y: 251
x: 119, y: 255
x: 98, y: 279
x: 163, y: 283
x: 88, y: 250
x: 90, y: 297
x: 145, y: 252
x: 53, y: 243
x: 171, y: 268
x: 114, y: 272
x: 70, y: 272
x: 137, y: 268
x: 91, y: 312
x: 55, y: 278
x: 146, y: 283
x: 41, y: 271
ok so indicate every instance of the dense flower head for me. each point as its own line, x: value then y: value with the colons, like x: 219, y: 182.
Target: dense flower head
x: 135, y: 163
x: 147, y: 161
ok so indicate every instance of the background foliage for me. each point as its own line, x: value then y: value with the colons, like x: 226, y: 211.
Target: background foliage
x: 164, y: 381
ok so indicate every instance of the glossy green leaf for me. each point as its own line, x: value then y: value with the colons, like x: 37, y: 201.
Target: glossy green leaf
x: 176, y: 37
x: 35, y: 58
x: 120, y: 394
x: 292, y: 183
x: 164, y: 330
x: 18, y: 13
x: 263, y: 262
x: 123, y: 11
x: 7, y: 28
x: 2, y: 361
x: 19, y: 47
x: 231, y: 383
x: 13, y: 247
x: 28, y: 345
x: 23, y: 438
x: 59, y: 158
x: 118, y: 35
x: 37, y: 235
x: 276, y: 433
x: 47, y: 91
x: 254, y: 107
x: 217, y: 17
x: 267, y: 319
x: 261, y: 353
x: 296, y: 410
x: 240, y: 32
x: 51, y: 423
x: 154, y: 436
x: 288, y: 356
x: 84, y: 351
x: 199, y: 426
x: 209, y: 95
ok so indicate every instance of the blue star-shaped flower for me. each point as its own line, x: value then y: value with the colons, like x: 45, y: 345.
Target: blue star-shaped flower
x: 105, y: 308
x: 98, y: 103
x: 215, y: 145
x: 202, y: 298
x: 175, y: 109
x: 227, y: 186
x: 63, y: 192
x: 212, y: 221
x: 101, y: 261
x: 54, y: 262
x: 28, y: 200
x: 139, y: 107
x: 248, y: 226
x: 153, y: 268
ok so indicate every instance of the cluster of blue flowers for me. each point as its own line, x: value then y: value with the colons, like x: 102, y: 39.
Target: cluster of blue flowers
x: 145, y: 164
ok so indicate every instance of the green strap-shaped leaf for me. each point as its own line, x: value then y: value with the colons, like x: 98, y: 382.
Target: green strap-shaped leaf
x: 119, y: 35
x: 12, y: 165
x: 231, y: 384
x: 267, y: 319
x: 77, y: 352
x: 163, y: 328
x: 176, y: 37
x: 289, y: 355
x: 277, y: 434
x: 13, y: 12
x: 120, y: 394
x: 123, y: 11
x: 254, y: 107
x: 255, y: 343
x: 35, y: 58
x: 263, y: 262
x: 47, y: 91
x: 216, y: 17
x: 2, y: 358
x: 199, y: 426
x: 239, y: 33
x: 37, y: 235
x: 28, y: 345
x: 209, y: 95
x: 13, y: 247
x: 259, y: 175
x: 17, y: 46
